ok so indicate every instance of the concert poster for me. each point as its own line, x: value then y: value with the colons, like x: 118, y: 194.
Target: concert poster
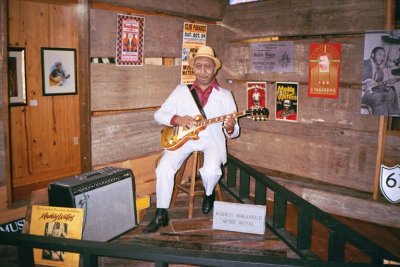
x: 56, y: 222
x: 286, y: 104
x: 324, y: 68
x: 130, y: 40
x: 380, y: 89
x: 194, y: 36
x: 256, y: 95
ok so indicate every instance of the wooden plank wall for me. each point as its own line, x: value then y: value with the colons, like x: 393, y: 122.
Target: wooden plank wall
x: 124, y: 98
x: 42, y: 136
x: 331, y: 142
x: 135, y: 91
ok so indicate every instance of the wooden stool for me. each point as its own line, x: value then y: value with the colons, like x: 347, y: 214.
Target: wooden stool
x: 189, y: 186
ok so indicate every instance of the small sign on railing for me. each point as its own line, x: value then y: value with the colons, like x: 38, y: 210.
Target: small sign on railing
x: 238, y: 217
x: 390, y: 183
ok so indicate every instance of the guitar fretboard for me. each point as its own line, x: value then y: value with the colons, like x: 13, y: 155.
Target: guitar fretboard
x: 221, y: 118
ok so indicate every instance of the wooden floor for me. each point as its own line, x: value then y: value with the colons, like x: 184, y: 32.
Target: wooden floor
x: 197, y: 234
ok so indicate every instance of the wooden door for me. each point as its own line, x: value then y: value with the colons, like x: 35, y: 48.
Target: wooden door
x: 45, y: 133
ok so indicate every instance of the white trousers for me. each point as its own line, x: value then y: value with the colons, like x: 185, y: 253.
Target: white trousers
x: 171, y: 161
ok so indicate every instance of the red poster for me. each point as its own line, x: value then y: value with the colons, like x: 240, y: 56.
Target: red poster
x: 286, y: 102
x: 130, y: 40
x: 256, y: 95
x: 324, y: 67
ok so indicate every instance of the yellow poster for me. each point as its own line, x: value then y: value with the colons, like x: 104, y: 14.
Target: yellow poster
x: 194, y: 36
x: 56, y: 222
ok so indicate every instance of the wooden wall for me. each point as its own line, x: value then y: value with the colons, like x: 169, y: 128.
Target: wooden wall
x: 331, y: 142
x: 124, y: 98
x: 42, y: 136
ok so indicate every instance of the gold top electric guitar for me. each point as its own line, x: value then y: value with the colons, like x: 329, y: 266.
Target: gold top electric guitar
x: 174, y: 137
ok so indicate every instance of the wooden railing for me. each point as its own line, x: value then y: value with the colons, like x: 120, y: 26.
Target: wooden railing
x: 238, y: 183
x: 91, y: 250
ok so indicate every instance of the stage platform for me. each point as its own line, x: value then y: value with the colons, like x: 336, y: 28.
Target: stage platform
x: 182, y: 233
x: 197, y: 234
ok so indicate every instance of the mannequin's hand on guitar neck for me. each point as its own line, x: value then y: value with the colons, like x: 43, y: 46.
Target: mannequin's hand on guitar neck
x: 229, y: 124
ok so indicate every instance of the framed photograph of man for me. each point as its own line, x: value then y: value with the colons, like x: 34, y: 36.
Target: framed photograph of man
x: 16, y: 76
x: 59, y: 71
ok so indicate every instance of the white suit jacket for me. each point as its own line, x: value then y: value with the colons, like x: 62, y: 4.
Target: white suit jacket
x: 220, y: 102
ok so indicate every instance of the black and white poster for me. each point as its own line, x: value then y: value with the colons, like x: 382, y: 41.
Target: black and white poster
x: 381, y: 74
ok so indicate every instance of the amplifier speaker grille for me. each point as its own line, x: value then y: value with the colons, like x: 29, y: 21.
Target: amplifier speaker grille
x: 107, y: 197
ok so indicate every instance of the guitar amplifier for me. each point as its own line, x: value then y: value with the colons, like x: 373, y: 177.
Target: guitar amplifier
x: 107, y: 196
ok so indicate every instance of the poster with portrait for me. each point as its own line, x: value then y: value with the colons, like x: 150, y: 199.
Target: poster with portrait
x: 380, y: 88
x: 194, y: 36
x: 56, y: 222
x: 256, y: 95
x: 130, y: 40
x: 323, y: 70
x: 271, y: 57
x: 286, y: 104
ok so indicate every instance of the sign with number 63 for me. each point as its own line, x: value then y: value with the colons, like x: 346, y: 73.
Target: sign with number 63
x: 390, y: 183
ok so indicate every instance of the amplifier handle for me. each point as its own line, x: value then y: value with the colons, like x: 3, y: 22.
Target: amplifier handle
x: 93, y: 174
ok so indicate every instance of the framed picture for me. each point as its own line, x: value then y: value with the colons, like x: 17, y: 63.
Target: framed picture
x: 59, y: 71
x: 16, y: 76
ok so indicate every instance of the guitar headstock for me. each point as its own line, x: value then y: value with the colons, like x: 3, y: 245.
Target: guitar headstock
x: 260, y: 114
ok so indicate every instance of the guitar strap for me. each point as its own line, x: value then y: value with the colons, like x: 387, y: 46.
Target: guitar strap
x: 196, y: 99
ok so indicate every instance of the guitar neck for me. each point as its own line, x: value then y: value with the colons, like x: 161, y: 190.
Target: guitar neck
x: 221, y: 118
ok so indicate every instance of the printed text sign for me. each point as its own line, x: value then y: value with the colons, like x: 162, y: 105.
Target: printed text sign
x: 236, y: 217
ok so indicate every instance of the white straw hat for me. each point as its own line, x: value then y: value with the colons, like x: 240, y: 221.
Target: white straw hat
x: 206, y: 51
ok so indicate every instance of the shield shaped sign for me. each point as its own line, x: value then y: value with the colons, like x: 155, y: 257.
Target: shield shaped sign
x: 390, y: 183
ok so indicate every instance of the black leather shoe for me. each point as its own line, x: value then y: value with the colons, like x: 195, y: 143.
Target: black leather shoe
x: 160, y: 219
x: 208, y: 203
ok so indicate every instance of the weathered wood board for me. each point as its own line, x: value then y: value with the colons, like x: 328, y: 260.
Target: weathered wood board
x: 131, y: 87
x: 125, y: 136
